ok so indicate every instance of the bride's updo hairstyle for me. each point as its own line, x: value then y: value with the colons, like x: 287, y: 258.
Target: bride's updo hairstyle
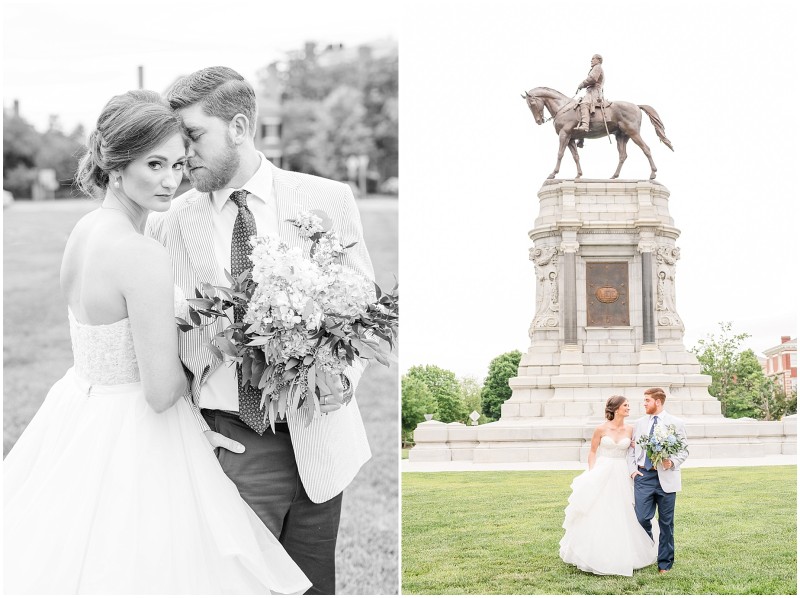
x: 129, y: 126
x: 612, y: 404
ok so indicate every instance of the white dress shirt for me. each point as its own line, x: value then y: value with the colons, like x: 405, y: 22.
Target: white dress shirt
x: 221, y: 390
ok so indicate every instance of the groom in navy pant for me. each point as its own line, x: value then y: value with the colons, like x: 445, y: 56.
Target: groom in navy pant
x: 657, y: 487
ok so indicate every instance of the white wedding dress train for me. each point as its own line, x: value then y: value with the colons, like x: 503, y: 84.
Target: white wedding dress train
x: 602, y: 534
x: 104, y: 495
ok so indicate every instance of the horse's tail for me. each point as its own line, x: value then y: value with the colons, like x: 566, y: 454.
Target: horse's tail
x: 657, y: 124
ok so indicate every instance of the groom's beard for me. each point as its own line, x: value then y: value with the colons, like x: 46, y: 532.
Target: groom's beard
x: 217, y: 173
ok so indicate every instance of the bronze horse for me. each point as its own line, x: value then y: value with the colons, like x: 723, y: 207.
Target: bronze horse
x: 623, y: 119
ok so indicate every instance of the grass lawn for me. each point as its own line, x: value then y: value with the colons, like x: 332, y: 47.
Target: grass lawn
x: 498, y: 533
x: 37, y: 352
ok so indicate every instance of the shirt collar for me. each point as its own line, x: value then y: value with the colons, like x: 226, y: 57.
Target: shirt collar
x: 259, y: 186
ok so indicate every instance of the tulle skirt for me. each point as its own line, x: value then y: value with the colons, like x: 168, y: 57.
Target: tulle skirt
x: 104, y: 495
x: 602, y: 534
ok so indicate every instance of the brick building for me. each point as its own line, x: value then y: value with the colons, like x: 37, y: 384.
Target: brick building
x: 781, y: 363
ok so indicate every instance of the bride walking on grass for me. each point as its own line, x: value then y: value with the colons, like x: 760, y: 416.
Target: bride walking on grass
x: 603, y: 535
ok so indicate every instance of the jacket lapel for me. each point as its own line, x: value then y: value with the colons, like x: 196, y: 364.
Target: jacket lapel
x: 288, y: 199
x: 195, y: 225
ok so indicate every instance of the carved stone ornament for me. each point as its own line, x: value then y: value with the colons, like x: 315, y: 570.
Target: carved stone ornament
x: 547, y: 275
x: 666, y: 312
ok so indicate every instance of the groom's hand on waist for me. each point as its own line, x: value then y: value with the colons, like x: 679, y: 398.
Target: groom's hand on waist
x: 217, y: 440
x: 331, y: 392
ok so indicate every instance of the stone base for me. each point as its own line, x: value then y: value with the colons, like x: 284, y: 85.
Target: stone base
x: 569, y: 439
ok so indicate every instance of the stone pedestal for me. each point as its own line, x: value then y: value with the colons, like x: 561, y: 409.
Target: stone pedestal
x: 605, y: 323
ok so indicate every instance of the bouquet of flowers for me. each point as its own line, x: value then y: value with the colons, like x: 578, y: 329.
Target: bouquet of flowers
x: 662, y: 443
x: 304, y: 317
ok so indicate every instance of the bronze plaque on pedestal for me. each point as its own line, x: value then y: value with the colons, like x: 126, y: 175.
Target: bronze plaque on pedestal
x: 607, y: 294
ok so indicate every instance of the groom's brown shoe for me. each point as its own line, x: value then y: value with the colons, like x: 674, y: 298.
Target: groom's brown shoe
x: 663, y: 570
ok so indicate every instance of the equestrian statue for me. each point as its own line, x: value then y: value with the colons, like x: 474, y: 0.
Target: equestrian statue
x: 593, y: 117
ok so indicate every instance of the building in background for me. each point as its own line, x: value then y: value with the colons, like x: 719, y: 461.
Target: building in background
x: 330, y: 110
x: 781, y: 364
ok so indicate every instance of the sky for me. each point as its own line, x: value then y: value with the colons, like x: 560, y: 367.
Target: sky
x: 70, y: 58
x: 723, y: 78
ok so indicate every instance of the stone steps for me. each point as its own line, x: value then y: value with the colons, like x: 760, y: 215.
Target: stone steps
x: 565, y: 439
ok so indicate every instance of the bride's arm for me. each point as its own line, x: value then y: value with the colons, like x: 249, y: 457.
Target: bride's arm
x: 598, y: 434
x: 146, y: 284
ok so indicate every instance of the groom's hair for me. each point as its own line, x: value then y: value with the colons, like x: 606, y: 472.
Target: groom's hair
x: 220, y: 90
x: 657, y: 393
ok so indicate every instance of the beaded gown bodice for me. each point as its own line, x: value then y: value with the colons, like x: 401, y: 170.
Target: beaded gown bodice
x: 613, y: 450
x: 104, y: 353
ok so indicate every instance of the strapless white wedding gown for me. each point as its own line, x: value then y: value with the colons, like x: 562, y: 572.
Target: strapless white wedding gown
x: 602, y: 534
x: 104, y: 495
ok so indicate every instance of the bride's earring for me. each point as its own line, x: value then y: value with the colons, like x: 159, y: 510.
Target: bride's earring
x: 116, y: 182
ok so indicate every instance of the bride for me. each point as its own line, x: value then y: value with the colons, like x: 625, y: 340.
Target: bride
x: 112, y: 488
x: 602, y: 534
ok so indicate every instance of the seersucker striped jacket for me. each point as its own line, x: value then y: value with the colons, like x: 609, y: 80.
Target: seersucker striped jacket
x: 331, y: 450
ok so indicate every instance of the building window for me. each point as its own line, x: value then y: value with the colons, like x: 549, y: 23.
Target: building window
x: 271, y: 132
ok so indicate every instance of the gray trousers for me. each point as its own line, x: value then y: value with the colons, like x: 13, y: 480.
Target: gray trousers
x: 267, y: 478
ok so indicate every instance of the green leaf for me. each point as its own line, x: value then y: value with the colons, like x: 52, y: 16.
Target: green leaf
x: 272, y: 415
x: 227, y: 346
x: 183, y: 325
x: 194, y: 316
x: 283, y: 400
x: 311, y: 379
x: 211, y: 347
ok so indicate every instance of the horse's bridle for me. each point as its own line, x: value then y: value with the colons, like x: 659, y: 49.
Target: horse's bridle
x: 547, y: 120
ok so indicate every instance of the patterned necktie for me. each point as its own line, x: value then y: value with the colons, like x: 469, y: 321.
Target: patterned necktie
x: 648, y: 464
x: 243, y: 228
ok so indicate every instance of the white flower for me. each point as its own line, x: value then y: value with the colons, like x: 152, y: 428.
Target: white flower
x: 309, y: 224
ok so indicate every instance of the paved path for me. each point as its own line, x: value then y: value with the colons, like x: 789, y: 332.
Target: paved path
x: 440, y: 466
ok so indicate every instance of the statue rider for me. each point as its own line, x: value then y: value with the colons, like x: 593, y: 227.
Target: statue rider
x: 594, y: 92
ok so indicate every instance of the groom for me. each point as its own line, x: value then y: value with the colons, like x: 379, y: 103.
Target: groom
x: 293, y: 479
x: 657, y: 486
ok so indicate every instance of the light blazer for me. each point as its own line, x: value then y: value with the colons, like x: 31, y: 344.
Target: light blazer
x: 670, y: 479
x: 331, y: 450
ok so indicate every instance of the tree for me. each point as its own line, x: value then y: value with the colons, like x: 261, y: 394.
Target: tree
x: 341, y: 132
x: 416, y: 401
x: 719, y: 358
x: 21, y: 143
x: 445, y: 390
x: 738, y: 380
x: 495, y: 388
x: 336, y: 102
x: 471, y: 395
